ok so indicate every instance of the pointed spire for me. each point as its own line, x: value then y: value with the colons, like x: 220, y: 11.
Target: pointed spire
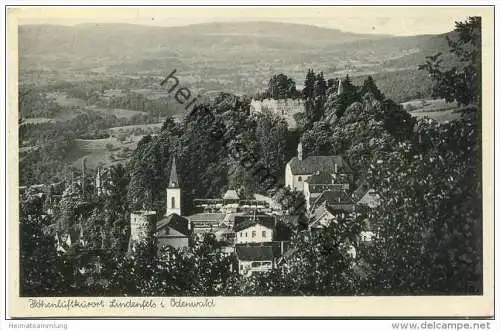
x: 173, y: 181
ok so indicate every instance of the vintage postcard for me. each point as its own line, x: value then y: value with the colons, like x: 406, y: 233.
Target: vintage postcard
x: 301, y: 161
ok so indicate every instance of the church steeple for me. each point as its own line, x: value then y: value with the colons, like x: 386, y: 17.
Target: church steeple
x: 173, y: 192
x: 174, y: 180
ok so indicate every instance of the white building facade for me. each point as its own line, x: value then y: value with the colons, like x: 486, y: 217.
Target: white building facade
x: 256, y: 233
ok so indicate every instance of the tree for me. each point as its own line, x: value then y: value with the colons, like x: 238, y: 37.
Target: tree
x: 281, y: 87
x: 292, y: 203
x: 319, y: 263
x: 348, y: 95
x: 462, y: 82
x: 169, y: 125
x: 318, y: 140
x: 309, y: 84
x: 116, y: 209
x: 430, y: 215
x: 37, y: 254
x: 369, y: 86
x: 398, y: 122
x: 319, y: 85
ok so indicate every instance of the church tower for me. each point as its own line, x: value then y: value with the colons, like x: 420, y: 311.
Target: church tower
x: 173, y: 192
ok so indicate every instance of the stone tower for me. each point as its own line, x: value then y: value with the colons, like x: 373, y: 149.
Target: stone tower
x: 173, y: 192
x: 142, y: 225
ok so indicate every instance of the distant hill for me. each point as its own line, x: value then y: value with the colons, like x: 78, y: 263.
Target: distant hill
x: 235, y: 57
x: 119, y: 39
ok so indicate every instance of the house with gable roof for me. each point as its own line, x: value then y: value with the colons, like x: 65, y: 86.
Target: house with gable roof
x: 299, y: 169
x: 259, y: 257
x: 320, y: 182
x: 256, y: 228
x: 328, y: 206
x: 174, y: 231
x: 254, y: 259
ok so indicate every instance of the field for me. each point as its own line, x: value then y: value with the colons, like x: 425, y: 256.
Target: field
x: 437, y: 109
x: 428, y: 105
x: 104, y: 152
x: 116, y: 149
x: 152, y: 94
x: 118, y: 112
x: 135, y: 130
x: 440, y: 116
x: 63, y: 100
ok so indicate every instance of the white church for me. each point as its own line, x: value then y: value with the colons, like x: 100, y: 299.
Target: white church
x: 300, y: 169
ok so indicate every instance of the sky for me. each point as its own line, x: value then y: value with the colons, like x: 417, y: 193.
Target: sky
x: 401, y: 21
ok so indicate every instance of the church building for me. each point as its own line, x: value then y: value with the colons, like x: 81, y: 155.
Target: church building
x: 300, y: 168
x: 173, y: 192
x: 173, y: 229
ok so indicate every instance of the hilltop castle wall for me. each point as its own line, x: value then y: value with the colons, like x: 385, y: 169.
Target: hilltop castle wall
x: 278, y: 106
x: 285, y: 108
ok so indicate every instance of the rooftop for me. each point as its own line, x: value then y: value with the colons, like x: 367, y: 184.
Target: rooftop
x: 231, y: 195
x: 144, y: 212
x: 176, y: 222
x: 261, y: 251
x: 245, y: 221
x: 314, y: 164
x: 333, y: 197
x: 254, y: 253
x: 320, y: 177
x: 213, y: 217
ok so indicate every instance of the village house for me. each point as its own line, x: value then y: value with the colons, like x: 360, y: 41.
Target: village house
x: 299, y: 169
x: 259, y: 257
x: 323, y: 215
x: 254, y: 259
x: 207, y: 222
x: 328, y: 206
x: 174, y: 231
x: 218, y: 224
x: 337, y: 200
x: 370, y: 198
x: 254, y: 228
x: 322, y: 181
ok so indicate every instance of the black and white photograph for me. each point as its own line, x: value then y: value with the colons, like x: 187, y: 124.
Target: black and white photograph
x: 250, y: 152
